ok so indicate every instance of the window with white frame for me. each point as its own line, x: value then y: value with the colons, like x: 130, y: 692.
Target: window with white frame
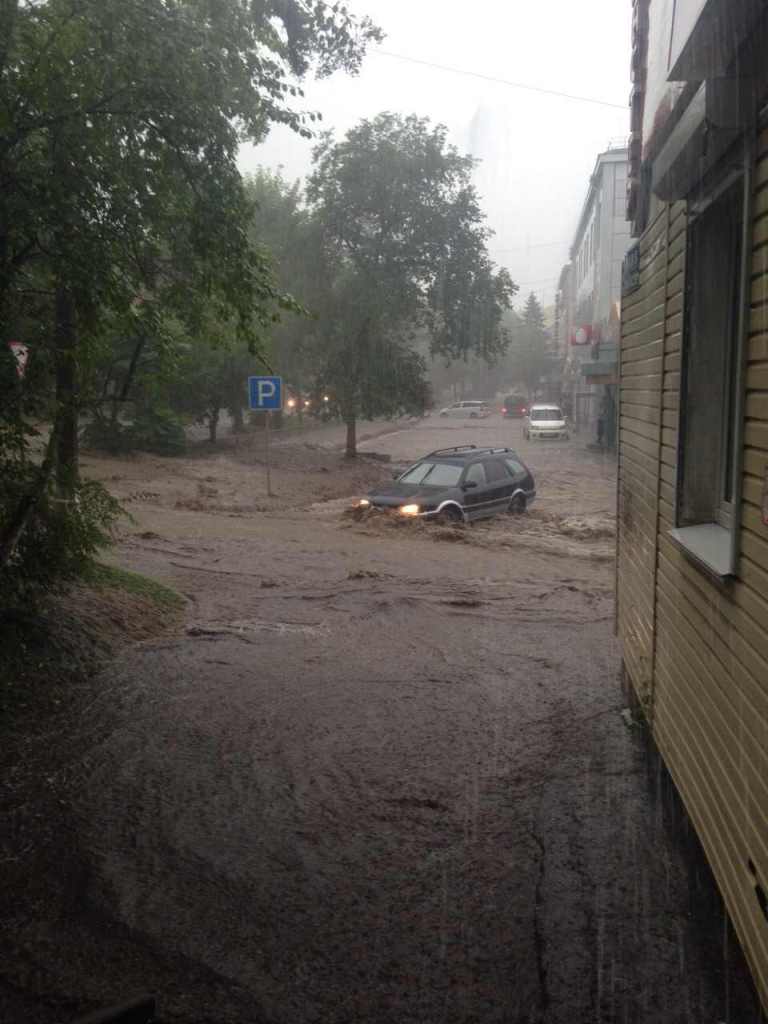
x: 711, y: 382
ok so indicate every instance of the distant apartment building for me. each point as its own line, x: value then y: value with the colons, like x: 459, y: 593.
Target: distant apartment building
x: 589, y: 296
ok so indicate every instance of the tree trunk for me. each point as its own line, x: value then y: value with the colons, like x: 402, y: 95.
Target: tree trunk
x: 66, y: 394
x: 238, y: 421
x: 351, y: 422
x: 213, y: 424
x: 119, y: 396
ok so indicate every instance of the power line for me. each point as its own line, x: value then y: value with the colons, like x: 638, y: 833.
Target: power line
x: 500, y: 81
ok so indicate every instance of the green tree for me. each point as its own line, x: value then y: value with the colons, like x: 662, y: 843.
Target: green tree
x: 120, y: 122
x: 282, y: 223
x: 530, y: 357
x: 403, y: 246
x: 212, y: 375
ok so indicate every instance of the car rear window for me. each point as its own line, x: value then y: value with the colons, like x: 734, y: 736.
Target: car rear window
x: 515, y: 467
x: 546, y: 414
x: 433, y: 474
x: 495, y: 470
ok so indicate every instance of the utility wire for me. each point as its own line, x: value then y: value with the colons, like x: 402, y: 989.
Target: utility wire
x: 500, y: 81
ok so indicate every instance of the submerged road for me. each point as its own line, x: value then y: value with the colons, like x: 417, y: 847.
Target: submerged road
x: 380, y: 778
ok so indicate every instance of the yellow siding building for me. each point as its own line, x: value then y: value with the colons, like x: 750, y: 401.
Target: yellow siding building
x: 692, y: 573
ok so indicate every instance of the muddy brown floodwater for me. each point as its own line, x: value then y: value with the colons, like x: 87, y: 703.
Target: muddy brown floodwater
x: 381, y: 776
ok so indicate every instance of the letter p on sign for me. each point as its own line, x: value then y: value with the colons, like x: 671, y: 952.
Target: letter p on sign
x: 265, y: 394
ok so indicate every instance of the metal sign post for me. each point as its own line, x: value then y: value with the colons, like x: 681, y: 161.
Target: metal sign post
x: 265, y: 394
x: 268, y: 456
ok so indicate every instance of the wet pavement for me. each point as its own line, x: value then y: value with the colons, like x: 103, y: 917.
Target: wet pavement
x: 382, y: 776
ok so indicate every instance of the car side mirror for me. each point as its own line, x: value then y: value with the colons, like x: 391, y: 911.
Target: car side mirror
x: 468, y: 485
x: 395, y: 476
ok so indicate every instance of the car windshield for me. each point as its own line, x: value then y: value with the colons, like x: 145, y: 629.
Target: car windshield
x: 433, y: 474
x: 546, y: 414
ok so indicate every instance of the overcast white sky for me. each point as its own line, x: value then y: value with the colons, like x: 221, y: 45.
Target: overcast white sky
x: 537, y: 150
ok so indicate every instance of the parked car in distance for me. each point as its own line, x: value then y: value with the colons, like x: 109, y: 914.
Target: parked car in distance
x: 544, y: 420
x: 514, y: 407
x: 455, y: 485
x: 464, y: 410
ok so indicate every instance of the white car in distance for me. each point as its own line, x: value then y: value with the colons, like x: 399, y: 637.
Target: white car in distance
x: 545, y: 421
x: 466, y: 410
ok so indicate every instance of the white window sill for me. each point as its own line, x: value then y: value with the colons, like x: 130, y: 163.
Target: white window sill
x: 709, y: 544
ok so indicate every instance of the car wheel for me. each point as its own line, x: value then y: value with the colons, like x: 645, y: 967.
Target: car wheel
x: 450, y: 516
x: 567, y: 437
x: 473, y: 415
x: 518, y: 505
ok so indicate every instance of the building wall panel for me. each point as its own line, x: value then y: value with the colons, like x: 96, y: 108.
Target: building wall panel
x: 696, y: 650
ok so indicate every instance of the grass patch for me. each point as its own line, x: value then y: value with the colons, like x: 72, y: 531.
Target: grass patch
x: 108, y: 576
x: 49, y: 653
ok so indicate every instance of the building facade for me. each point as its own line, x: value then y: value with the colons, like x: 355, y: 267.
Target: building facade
x: 590, y: 295
x: 692, y: 579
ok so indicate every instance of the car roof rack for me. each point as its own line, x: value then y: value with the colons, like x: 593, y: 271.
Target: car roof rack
x: 456, y: 448
x: 460, y: 449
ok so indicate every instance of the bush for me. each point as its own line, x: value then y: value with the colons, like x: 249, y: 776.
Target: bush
x: 60, y: 539
x: 106, y: 436
x: 159, y: 431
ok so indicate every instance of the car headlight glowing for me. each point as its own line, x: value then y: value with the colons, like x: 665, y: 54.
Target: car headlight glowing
x: 363, y: 503
x: 409, y: 510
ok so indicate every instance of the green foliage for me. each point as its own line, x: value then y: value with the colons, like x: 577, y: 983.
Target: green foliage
x: 108, y: 576
x: 60, y: 539
x: 531, y: 358
x: 119, y: 170
x: 282, y: 223
x: 124, y: 225
x: 402, y: 246
x: 158, y: 430
x: 212, y: 376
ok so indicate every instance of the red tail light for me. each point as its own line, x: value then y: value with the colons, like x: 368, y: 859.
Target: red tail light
x: 503, y: 409
x: 524, y: 411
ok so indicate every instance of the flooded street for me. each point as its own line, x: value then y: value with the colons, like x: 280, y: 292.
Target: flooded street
x: 383, y: 774
x: 383, y: 512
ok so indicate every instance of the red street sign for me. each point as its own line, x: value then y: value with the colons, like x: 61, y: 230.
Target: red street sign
x: 581, y: 335
x: 21, y: 354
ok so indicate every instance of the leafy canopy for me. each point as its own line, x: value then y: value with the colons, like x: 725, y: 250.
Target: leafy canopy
x: 120, y: 198
x: 403, y: 247
x: 531, y: 356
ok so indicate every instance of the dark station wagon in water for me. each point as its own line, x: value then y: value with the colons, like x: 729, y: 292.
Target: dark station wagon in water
x: 455, y: 485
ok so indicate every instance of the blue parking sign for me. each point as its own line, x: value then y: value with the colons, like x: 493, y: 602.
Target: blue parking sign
x: 265, y: 393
